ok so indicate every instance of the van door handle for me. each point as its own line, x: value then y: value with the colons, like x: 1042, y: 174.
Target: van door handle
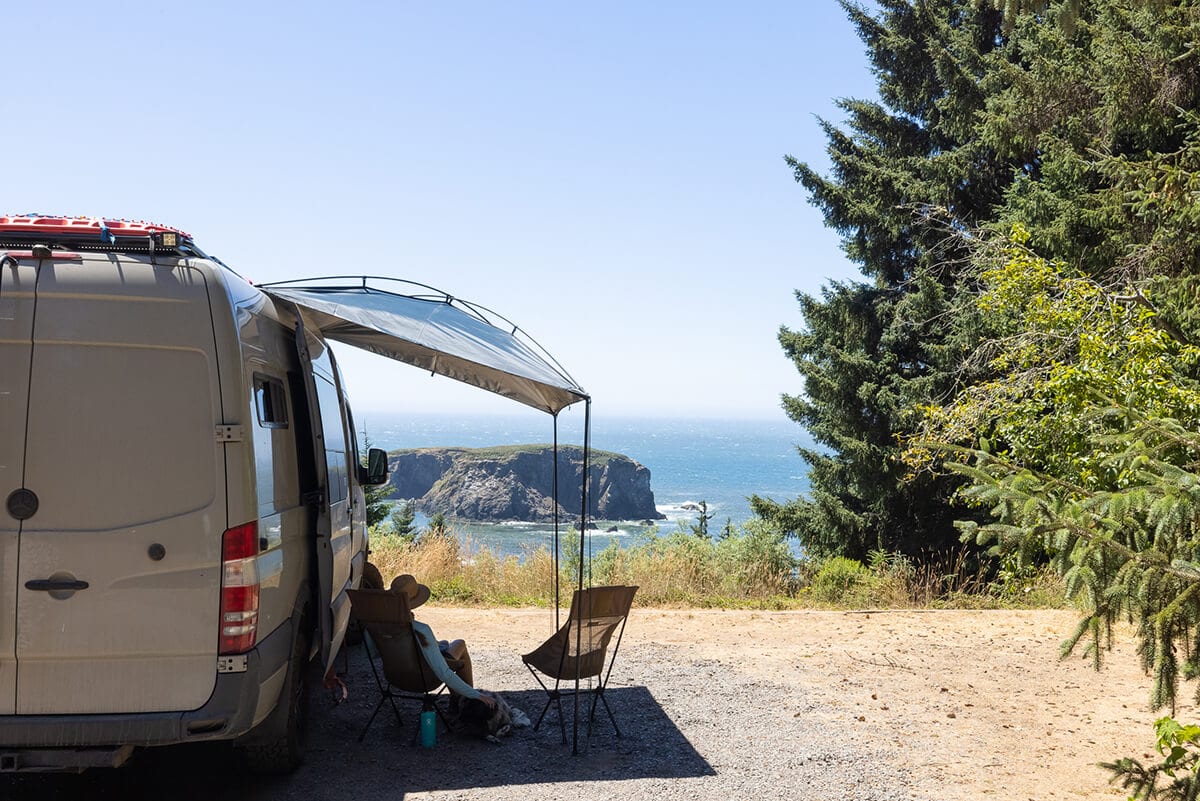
x: 52, y: 585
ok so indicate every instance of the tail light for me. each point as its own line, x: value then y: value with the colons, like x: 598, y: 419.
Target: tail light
x: 239, y: 589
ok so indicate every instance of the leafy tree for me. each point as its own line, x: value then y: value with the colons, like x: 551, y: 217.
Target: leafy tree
x: 1175, y: 778
x: 1065, y: 345
x: 1089, y: 453
x: 1074, y: 377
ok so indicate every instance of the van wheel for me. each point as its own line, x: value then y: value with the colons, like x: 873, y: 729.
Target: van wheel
x: 277, y: 745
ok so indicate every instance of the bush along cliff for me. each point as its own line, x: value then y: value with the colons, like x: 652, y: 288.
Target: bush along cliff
x: 517, y: 483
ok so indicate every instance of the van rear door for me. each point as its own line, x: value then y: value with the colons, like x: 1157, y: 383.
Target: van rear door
x: 16, y: 344
x: 118, y: 585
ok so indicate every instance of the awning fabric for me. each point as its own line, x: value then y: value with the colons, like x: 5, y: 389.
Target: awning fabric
x: 438, y: 333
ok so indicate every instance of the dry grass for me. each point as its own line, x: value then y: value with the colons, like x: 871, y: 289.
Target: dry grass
x: 752, y: 570
x: 466, y: 573
x: 676, y: 570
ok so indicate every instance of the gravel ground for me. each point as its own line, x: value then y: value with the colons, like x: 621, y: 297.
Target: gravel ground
x: 878, y: 706
x: 693, y: 727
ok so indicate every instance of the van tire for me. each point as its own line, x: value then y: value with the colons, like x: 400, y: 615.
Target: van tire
x: 278, y: 744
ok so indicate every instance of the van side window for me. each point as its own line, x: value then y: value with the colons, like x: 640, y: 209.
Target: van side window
x: 335, y: 440
x: 271, y: 402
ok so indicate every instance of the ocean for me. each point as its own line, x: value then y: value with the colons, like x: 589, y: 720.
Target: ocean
x: 720, y: 462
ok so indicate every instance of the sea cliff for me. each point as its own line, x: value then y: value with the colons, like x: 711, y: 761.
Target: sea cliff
x: 517, y: 483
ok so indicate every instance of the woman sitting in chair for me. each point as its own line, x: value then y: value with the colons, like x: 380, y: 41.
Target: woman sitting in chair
x: 448, y: 660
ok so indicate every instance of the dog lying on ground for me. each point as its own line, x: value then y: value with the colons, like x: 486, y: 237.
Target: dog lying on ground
x: 478, y: 719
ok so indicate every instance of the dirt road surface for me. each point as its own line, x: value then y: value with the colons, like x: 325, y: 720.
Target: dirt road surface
x: 940, y: 705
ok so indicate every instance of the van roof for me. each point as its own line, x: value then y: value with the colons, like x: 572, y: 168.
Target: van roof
x: 94, y: 234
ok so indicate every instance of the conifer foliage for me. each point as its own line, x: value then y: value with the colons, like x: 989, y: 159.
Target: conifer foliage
x: 909, y: 172
x: 1074, y: 121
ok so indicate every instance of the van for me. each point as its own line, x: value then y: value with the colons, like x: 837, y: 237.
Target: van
x: 183, y: 504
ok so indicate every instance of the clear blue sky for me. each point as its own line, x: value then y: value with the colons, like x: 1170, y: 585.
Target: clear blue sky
x: 608, y: 176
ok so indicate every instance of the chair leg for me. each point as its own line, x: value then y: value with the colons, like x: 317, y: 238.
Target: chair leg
x: 395, y: 709
x: 384, y: 691
x: 546, y: 708
x: 371, y: 719
x: 592, y: 712
x: 598, y: 698
x: 551, y: 697
x: 432, y: 700
x: 607, y: 709
x: 562, y: 719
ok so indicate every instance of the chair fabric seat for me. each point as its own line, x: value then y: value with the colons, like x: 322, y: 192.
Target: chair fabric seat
x: 387, y: 621
x: 579, y: 649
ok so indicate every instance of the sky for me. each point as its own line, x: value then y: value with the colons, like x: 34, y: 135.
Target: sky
x: 610, y: 177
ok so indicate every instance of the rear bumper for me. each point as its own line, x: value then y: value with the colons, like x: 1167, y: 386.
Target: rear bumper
x: 228, y: 713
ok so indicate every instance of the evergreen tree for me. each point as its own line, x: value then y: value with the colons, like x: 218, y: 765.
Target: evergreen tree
x: 401, y: 521
x: 1102, y: 117
x: 701, y: 527
x: 909, y: 175
x: 378, y: 505
x: 1071, y: 119
x: 728, y: 531
x: 437, y: 526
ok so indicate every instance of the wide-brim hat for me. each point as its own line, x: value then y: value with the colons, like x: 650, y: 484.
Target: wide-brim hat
x: 416, y: 592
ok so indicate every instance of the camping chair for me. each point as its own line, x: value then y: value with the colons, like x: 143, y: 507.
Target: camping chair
x: 579, y: 649
x: 387, y: 622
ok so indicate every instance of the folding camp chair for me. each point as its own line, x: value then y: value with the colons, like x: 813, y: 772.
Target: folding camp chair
x: 387, y: 622
x: 578, y: 649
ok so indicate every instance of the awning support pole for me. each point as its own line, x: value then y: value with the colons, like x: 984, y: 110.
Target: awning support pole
x: 583, y: 533
x: 557, y: 515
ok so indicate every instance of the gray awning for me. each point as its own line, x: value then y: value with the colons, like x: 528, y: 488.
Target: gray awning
x: 438, y: 333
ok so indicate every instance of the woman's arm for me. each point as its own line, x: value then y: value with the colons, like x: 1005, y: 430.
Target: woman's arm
x: 437, y: 662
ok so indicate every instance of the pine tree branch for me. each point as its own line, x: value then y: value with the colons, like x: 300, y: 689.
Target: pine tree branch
x: 1138, y: 299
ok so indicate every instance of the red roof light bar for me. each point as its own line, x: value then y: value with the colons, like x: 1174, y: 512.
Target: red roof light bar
x: 76, y: 226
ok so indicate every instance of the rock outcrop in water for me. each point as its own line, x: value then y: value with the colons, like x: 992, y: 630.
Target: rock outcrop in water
x: 516, y: 483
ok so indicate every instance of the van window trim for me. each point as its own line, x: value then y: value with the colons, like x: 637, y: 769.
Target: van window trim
x: 276, y: 385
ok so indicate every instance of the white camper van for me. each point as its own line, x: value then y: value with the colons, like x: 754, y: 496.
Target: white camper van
x: 183, y: 508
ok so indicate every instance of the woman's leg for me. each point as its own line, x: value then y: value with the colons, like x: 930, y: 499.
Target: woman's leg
x: 457, y: 651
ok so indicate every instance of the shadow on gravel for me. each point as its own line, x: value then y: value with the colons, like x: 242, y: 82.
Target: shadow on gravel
x: 388, y: 764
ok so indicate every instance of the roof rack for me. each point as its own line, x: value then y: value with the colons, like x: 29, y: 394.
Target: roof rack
x: 94, y: 234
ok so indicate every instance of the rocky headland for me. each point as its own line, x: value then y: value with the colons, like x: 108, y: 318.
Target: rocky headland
x: 517, y: 483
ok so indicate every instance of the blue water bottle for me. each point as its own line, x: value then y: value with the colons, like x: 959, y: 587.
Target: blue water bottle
x: 428, y: 727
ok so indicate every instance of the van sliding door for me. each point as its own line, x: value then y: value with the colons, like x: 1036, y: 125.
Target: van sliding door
x: 17, y: 300
x: 333, y: 522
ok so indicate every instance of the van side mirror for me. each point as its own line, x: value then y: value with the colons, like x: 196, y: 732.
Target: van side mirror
x: 377, y: 467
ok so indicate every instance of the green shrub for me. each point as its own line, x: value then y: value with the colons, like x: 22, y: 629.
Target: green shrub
x: 840, y: 579
x: 757, y: 562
